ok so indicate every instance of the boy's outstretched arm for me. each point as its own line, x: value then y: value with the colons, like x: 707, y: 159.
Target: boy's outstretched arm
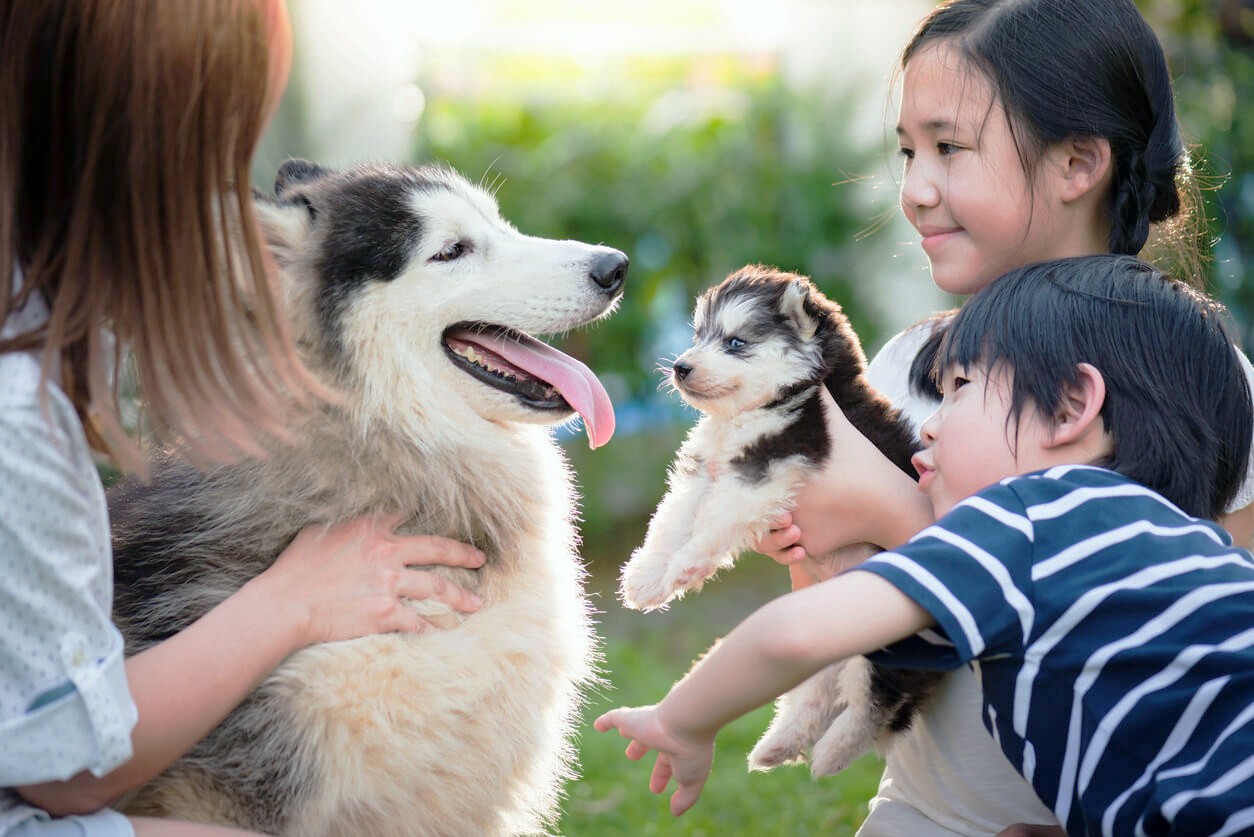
x: 776, y: 648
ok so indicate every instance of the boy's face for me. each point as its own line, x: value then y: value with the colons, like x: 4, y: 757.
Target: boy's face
x: 968, y: 443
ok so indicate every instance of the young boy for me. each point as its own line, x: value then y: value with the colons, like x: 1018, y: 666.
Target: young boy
x: 1075, y: 454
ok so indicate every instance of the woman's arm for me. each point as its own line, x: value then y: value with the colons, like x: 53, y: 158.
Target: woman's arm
x: 330, y: 584
x: 776, y: 648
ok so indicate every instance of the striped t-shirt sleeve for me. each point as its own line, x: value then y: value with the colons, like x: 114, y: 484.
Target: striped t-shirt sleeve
x: 972, y: 571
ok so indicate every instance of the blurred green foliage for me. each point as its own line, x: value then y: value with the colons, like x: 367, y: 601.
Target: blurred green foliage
x: 1210, y: 47
x: 690, y: 183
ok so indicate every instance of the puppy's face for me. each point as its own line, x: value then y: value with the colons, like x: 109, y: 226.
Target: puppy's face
x: 754, y: 336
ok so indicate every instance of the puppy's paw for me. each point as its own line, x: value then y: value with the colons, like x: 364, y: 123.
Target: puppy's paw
x: 777, y: 747
x: 644, y: 584
x: 691, y: 575
x: 848, y: 738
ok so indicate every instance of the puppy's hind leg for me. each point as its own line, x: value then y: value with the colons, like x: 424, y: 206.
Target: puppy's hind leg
x: 856, y: 729
x: 802, y: 716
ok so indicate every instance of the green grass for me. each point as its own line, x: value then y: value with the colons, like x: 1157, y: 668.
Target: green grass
x: 644, y: 655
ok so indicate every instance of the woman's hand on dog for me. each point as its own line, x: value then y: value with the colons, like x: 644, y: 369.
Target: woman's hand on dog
x: 350, y: 580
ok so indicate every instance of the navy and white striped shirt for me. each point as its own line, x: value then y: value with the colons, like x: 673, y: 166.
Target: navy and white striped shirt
x: 1114, y: 639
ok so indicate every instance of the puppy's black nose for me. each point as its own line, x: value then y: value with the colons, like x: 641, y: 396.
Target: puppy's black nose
x: 609, y: 271
x: 681, y: 370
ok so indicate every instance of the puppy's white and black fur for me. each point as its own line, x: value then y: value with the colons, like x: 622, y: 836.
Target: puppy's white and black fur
x: 765, y: 344
x: 415, y: 299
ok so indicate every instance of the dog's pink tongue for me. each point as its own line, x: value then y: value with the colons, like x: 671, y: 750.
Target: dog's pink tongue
x: 575, y: 381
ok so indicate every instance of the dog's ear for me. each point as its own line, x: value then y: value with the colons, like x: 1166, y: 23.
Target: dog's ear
x: 285, y: 226
x: 793, y: 304
x: 295, y: 172
x: 287, y: 218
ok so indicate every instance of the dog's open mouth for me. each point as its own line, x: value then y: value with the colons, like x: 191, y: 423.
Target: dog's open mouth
x: 535, y: 373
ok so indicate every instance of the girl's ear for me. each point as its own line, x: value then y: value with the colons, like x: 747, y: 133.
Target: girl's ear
x: 1080, y: 412
x: 1084, y: 165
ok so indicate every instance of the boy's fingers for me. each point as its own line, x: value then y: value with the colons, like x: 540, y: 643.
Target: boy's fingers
x: 684, y: 798
x: 662, y: 772
x: 636, y: 750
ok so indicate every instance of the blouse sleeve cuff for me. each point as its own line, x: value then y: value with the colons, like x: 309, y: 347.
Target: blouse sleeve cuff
x: 87, y: 725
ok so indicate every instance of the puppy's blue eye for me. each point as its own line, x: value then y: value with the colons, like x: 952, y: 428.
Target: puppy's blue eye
x: 734, y: 342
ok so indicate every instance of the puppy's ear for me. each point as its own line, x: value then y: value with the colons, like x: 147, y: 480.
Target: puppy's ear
x: 792, y: 304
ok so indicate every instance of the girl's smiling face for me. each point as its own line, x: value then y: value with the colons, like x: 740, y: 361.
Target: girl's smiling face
x: 964, y: 187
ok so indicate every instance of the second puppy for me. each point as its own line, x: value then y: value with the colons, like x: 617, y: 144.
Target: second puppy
x: 765, y: 343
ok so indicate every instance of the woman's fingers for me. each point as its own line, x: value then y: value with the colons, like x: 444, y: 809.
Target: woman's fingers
x: 428, y: 550
x: 422, y: 584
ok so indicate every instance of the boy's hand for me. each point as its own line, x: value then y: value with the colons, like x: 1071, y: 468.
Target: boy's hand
x: 685, y: 759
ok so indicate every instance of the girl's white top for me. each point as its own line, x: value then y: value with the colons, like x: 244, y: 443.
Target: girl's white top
x: 945, y: 776
x: 64, y: 702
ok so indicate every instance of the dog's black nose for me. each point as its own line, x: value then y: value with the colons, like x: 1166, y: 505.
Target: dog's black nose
x: 609, y: 271
x: 681, y: 370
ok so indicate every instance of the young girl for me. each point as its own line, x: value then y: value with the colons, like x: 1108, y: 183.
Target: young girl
x: 1030, y: 130
x: 1111, y: 626
x: 126, y: 132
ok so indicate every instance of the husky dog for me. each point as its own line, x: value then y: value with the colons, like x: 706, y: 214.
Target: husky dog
x: 417, y: 302
x: 766, y: 342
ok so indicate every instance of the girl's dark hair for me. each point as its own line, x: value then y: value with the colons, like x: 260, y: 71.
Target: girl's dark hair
x: 1068, y: 68
x: 1177, y: 402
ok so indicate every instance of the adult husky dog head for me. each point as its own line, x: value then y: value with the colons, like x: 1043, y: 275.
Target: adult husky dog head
x: 411, y: 292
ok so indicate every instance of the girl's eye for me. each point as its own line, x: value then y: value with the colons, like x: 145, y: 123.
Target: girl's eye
x: 945, y: 149
x: 451, y: 251
x: 959, y: 383
x: 734, y: 343
x: 907, y: 153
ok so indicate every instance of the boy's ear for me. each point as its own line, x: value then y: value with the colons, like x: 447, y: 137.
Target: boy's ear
x: 1080, y: 411
x: 1084, y: 164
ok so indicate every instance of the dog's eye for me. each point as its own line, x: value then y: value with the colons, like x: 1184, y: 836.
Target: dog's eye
x: 452, y: 250
x: 734, y: 343
x: 309, y: 207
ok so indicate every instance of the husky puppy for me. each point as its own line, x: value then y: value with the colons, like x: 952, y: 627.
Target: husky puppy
x: 417, y: 301
x: 765, y: 344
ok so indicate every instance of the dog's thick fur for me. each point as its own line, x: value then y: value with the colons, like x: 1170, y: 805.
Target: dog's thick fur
x: 766, y: 343
x: 394, y: 276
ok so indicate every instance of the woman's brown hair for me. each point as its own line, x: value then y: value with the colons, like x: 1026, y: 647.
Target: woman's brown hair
x: 127, y: 129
